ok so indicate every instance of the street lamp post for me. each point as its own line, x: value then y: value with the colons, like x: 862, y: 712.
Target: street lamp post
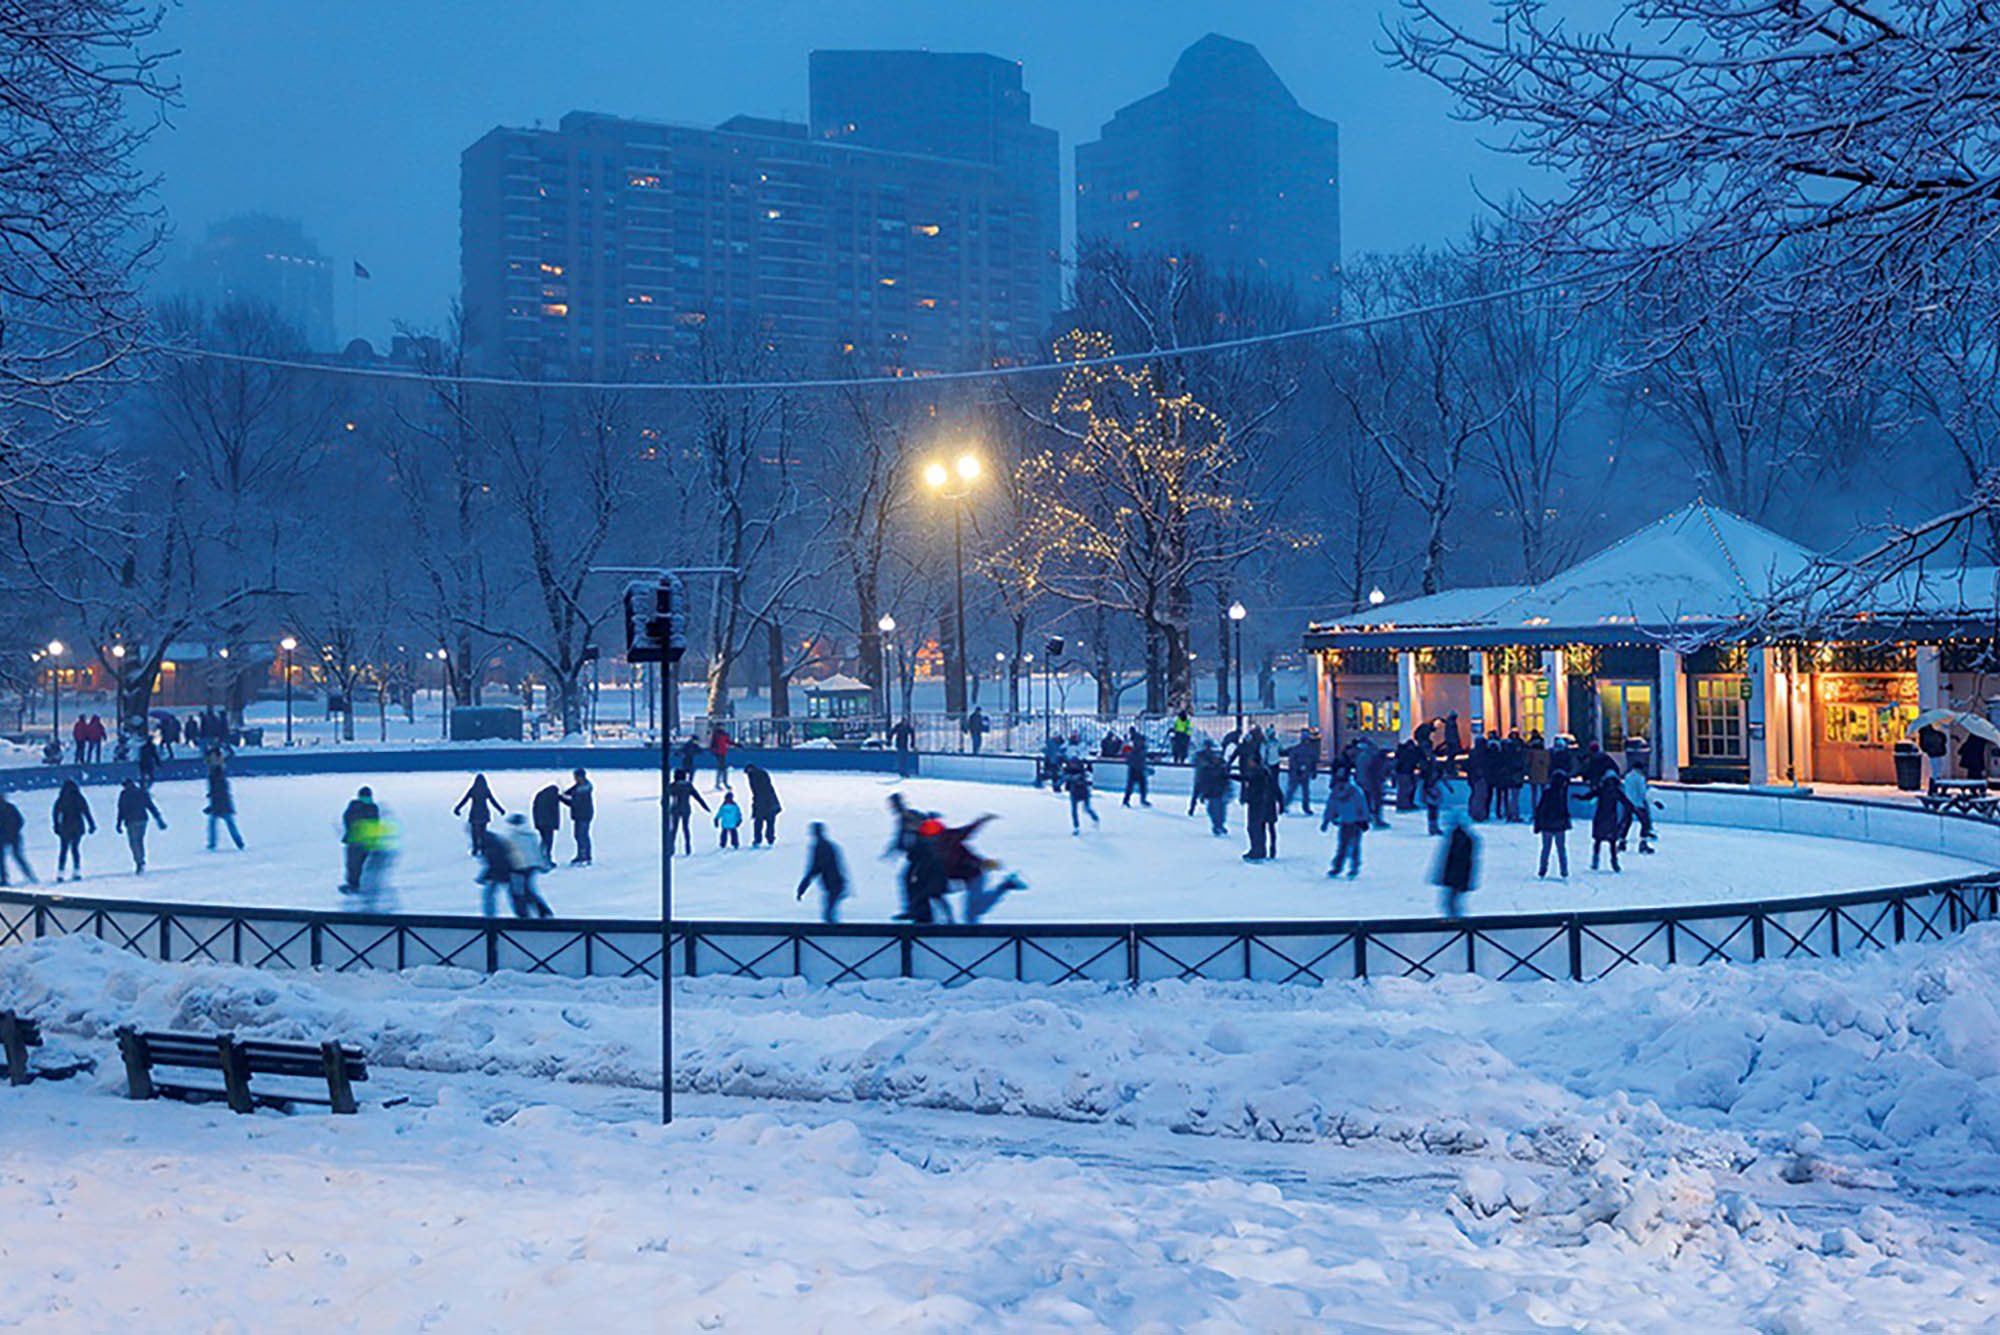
x: 1236, y: 614
x: 887, y: 625
x: 288, y: 644
x: 967, y: 471
x: 55, y: 651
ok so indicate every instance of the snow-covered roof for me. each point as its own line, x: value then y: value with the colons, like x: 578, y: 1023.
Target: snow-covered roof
x: 839, y: 682
x: 1453, y: 607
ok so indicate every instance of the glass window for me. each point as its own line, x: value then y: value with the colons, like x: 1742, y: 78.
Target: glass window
x: 1718, y: 718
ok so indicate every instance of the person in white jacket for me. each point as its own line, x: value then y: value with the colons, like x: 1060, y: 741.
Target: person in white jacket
x: 1636, y: 793
x: 524, y: 853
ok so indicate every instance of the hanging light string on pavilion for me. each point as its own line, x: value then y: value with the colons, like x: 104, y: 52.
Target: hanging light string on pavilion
x: 849, y: 382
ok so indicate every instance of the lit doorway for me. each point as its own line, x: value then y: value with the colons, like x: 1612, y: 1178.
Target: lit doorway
x: 1624, y: 709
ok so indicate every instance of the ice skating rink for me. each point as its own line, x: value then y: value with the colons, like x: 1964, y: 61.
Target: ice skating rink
x: 1137, y: 865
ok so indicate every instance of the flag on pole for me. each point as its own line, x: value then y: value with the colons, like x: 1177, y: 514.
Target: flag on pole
x: 361, y: 270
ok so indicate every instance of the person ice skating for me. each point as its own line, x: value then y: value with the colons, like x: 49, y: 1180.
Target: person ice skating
x: 976, y: 727
x: 903, y: 737
x: 1260, y: 812
x: 1409, y: 755
x: 1456, y: 867
x: 1612, y: 814
x: 170, y: 734
x: 1346, y: 809
x: 1051, y: 764
x: 1211, y: 788
x: 1510, y: 772
x: 135, y: 807
x: 221, y: 806
x: 1076, y: 782
x: 1180, y: 733
x: 524, y: 860
x: 79, y: 738
x: 354, y: 836
x: 1301, y: 765
x: 1479, y: 779
x: 496, y: 871
x: 690, y: 756
x: 1551, y: 821
x: 824, y: 864
x: 1430, y: 788
x: 581, y: 801
x: 719, y: 742
x: 478, y: 806
x: 72, y: 820
x: 728, y: 819
x: 906, y: 821
x: 1136, y: 766
x: 924, y: 879
x: 149, y: 762
x: 1451, y: 745
x: 1639, y: 796
x: 377, y: 835
x: 764, y: 806
x: 545, y: 814
x: 683, y: 798
x: 1539, y: 762
x: 966, y: 869
x: 13, y: 826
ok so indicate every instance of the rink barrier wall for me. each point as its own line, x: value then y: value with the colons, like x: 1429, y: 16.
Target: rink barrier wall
x: 1542, y: 947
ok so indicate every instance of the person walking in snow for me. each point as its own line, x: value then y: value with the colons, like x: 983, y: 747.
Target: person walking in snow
x: 524, y: 860
x: 1076, y: 782
x: 976, y: 727
x: 824, y: 864
x: 764, y: 806
x: 1301, y: 765
x: 545, y: 814
x: 728, y: 819
x: 12, y: 827
x: 1346, y: 809
x: 1136, y: 766
x: 359, y: 814
x: 1211, y: 788
x: 72, y: 820
x: 221, y: 806
x: 135, y: 807
x: 682, y: 798
x: 478, y: 806
x: 581, y: 801
x: 1551, y: 821
x: 903, y: 737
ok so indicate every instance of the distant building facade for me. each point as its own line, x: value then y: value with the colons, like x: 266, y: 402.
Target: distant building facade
x: 268, y: 261
x: 607, y: 246
x: 1223, y: 162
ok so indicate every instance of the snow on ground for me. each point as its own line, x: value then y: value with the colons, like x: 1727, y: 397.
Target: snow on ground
x: 1139, y: 865
x: 1780, y: 1147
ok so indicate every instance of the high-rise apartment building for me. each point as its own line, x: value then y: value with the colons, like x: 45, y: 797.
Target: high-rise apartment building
x: 1224, y: 163
x: 607, y: 245
x: 265, y: 260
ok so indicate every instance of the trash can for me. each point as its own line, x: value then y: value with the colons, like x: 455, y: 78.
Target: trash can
x: 1909, y: 766
x: 1639, y: 755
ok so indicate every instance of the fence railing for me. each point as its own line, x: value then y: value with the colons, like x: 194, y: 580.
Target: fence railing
x: 1019, y: 734
x: 1579, y: 947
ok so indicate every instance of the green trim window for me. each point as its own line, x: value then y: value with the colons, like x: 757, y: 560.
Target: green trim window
x: 1719, y: 710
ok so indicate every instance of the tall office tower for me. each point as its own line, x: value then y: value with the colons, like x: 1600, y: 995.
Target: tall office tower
x: 1222, y: 163
x: 612, y: 247
x: 269, y: 261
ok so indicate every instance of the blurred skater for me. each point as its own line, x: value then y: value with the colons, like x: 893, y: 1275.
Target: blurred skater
x: 12, y: 826
x: 135, y: 807
x: 824, y: 864
x: 524, y: 859
x: 1456, y: 866
x: 353, y: 839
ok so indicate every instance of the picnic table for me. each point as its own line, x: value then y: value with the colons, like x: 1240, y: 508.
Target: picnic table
x: 1961, y: 797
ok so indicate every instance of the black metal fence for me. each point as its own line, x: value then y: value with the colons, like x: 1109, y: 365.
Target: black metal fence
x: 1581, y: 947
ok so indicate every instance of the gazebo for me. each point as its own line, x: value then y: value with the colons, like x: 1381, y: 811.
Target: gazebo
x: 1663, y: 639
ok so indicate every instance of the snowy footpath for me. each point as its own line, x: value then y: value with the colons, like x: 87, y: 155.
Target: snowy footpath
x: 1780, y: 1147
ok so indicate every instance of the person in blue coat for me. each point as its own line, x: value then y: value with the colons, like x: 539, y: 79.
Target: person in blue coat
x: 1346, y: 808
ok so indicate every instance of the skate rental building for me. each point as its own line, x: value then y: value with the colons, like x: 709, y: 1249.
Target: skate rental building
x: 1645, y: 649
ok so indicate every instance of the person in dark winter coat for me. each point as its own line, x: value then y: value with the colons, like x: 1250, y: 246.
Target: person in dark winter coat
x: 149, y: 762
x: 1371, y: 767
x: 496, y: 871
x: 1596, y: 764
x: 1536, y: 771
x: 170, y: 735
x: 903, y: 839
x: 221, y: 807
x: 1972, y: 756
x: 478, y: 806
x: 72, y: 820
x: 581, y: 800
x: 1347, y: 809
x: 135, y: 807
x: 1479, y: 779
x: 1211, y: 788
x: 924, y: 877
x: 1260, y: 806
x: 12, y: 826
x: 823, y: 864
x: 690, y: 756
x: 764, y: 806
x: 1136, y: 763
x: 903, y: 737
x: 1510, y: 772
x: 354, y: 837
x: 545, y: 813
x: 1608, y: 821
x: 1408, y: 759
x: 1076, y: 782
x: 976, y: 727
x: 683, y: 798
x: 1430, y: 788
x: 1551, y: 818
x: 1301, y: 764
x: 1456, y: 867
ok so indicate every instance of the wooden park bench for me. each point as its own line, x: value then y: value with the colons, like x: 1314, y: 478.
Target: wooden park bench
x: 340, y: 1064
x: 1961, y: 797
x: 17, y: 1034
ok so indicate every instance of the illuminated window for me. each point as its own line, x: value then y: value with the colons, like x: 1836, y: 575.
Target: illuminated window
x: 928, y: 303
x: 555, y: 269
x: 888, y: 282
x: 926, y: 229
x: 1133, y: 225
x: 556, y: 308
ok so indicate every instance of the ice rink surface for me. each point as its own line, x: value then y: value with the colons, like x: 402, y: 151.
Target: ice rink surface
x: 1139, y: 864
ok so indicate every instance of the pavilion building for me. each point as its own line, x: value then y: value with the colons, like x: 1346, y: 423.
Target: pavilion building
x: 1663, y: 638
